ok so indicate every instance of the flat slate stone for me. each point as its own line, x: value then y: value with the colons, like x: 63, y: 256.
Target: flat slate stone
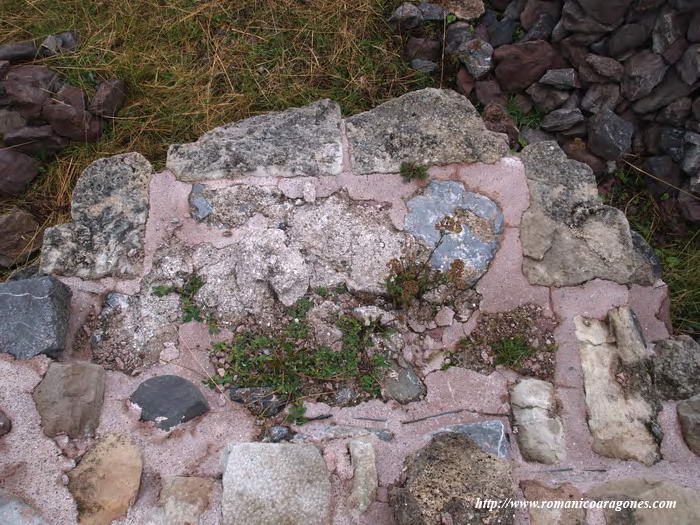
x: 267, y: 483
x: 35, y: 315
x: 302, y: 141
x: 489, y: 436
x: 109, y: 211
x: 480, y: 217
x: 169, y: 400
x: 429, y: 126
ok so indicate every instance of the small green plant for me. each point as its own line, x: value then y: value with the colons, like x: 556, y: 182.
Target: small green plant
x: 450, y: 18
x: 518, y: 33
x: 191, y: 311
x: 322, y: 291
x: 512, y: 351
x: 296, y: 414
x: 412, y: 171
x: 530, y: 120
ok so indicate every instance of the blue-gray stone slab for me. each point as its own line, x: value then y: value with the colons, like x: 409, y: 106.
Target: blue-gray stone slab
x: 441, y: 199
x: 489, y: 436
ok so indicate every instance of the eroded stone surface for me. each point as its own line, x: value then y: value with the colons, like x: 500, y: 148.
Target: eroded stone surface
x: 298, y: 141
x: 568, y: 236
x: 364, y: 479
x: 169, y: 400
x: 689, y: 419
x: 182, y: 501
x: 677, y: 368
x: 620, y: 397
x: 537, y: 491
x: 429, y: 126
x: 109, y: 211
x: 275, y: 483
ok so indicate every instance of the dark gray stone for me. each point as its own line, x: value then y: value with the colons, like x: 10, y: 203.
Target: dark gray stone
x: 677, y: 368
x: 671, y: 88
x: 561, y: 78
x: 279, y: 433
x: 501, y: 32
x: 424, y: 66
x: 489, y: 436
x: 71, y: 122
x: 643, y: 71
x: 514, y: 9
x: 541, y: 30
x: 59, y: 43
x: 406, y: 17
x: 259, y: 400
x: 200, y: 207
x: 627, y: 38
x: 17, y: 170
x: 475, y: 245
x: 423, y: 48
x: 533, y: 136
x: 606, y: 66
x: 5, y: 424
x: 9, y: 120
x: 694, y: 28
x: 609, y: 136
x: 691, y: 157
x: 35, y: 317
x: 169, y: 400
x: 109, y: 98
x: 575, y: 20
x: 561, y: 119
x: 401, y: 384
x: 689, y: 419
x: 18, y: 51
x: 666, y: 175
x: 606, y: 11
x: 670, y: 26
x: 676, y: 113
x: 27, y: 88
x: 476, y: 55
x: 432, y: 12
x: 672, y: 143
x: 601, y: 96
x: 547, y: 98
x: 689, y: 66
x: 457, y: 34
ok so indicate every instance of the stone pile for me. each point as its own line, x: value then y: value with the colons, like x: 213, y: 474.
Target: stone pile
x: 117, y: 402
x: 604, y: 80
x: 40, y: 114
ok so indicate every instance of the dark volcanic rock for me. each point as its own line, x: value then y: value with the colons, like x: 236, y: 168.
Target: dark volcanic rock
x: 643, y: 71
x: 26, y: 88
x: 520, y: 65
x: 575, y: 20
x: 422, y: 48
x: 561, y: 78
x: 536, y: 8
x: 476, y: 55
x: 677, y: 368
x: 671, y: 88
x: 562, y: 119
x: 689, y: 66
x: 457, y: 34
x: 59, y: 43
x: 109, y: 98
x: 406, y: 17
x: 691, y: 156
x: 670, y: 26
x: 672, y: 142
x: 606, y: 11
x: 18, y: 51
x: 627, y: 38
x: 606, y: 66
x: 693, y: 34
x: 71, y: 122
x: 35, y: 317
x: 541, y: 30
x: 35, y: 140
x: 17, y: 170
x: 465, y: 82
x: 576, y: 149
x: 169, y: 400
x: 547, y: 98
x: 601, y: 96
x: 19, y: 237
x: 676, y: 113
x: 261, y: 401
x: 609, y: 136
x: 665, y: 171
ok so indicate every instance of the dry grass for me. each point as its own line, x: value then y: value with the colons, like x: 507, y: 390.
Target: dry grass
x: 194, y: 65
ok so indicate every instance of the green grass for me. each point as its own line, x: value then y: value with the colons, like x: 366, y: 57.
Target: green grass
x: 533, y: 119
x: 676, y: 244
x: 511, y: 352
x: 193, y: 65
x: 291, y: 363
x: 412, y: 171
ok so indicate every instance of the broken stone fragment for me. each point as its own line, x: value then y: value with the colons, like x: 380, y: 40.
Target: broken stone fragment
x: 365, y: 479
x: 69, y: 399
x: 109, y: 211
x: 677, y: 368
x: 17, y: 170
x: 302, y: 141
x: 689, y: 419
x: 621, y: 399
x: 267, y: 483
x: 59, y: 43
x: 35, y: 140
x: 169, y: 401
x: 35, y: 315
x: 107, y: 479
x: 443, y: 481
x: 20, y: 237
x: 428, y: 127
x: 109, y: 98
x: 18, y: 51
x: 540, y: 431
x: 490, y: 436
x: 72, y: 122
x: 182, y: 501
x: 402, y: 384
x: 538, y: 491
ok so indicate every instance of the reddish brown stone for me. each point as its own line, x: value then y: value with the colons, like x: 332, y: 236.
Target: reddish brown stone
x: 71, y: 122
x: 520, y: 65
x: 19, y: 237
x: 17, y: 170
x: 35, y: 140
x: 109, y: 98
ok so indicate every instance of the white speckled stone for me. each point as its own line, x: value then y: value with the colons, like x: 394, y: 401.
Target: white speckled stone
x: 267, y: 483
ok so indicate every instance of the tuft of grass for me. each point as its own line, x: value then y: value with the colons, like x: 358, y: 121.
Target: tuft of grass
x: 191, y: 311
x: 531, y: 120
x: 512, y: 351
x: 412, y: 171
x: 191, y: 66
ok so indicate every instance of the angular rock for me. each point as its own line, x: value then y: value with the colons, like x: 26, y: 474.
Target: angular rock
x: 275, y: 483
x: 27, y: 88
x: 14, y: 511
x: 643, y: 71
x: 490, y: 436
x: 689, y: 419
x: 606, y: 66
x: 430, y: 126
x: 424, y: 66
x: 609, y: 136
x: 109, y: 98
x: 465, y: 9
x: 671, y: 142
x: 691, y: 157
x: 546, y: 98
x: 18, y: 51
x: 687, y: 502
x: 689, y: 66
x: 676, y: 113
x: 627, y: 38
x: 109, y: 212
x: 480, y: 218
x: 561, y: 78
x: 35, y: 140
x: 365, y: 479
x: 568, y: 236
x: 541, y: 30
x: 694, y: 28
x: 443, y: 480
x: 536, y: 8
x: 20, y: 236
x: 406, y: 17
x: 401, y: 384
x: 423, y: 48
x: 537, y: 491
x: 182, y: 501
x: 302, y: 141
x: 35, y: 317
x: 10, y: 120
x: 561, y: 119
x: 432, y: 12
x: 689, y: 207
x: 677, y: 368
x: 601, y: 96
x: 457, y: 34
x: 666, y: 175
x: 540, y: 431
x: 465, y: 82
x: 606, y: 11
x: 670, y: 27
x: 575, y: 19
x: 577, y: 149
x: 671, y: 88
x: 59, y: 43
x: 17, y: 171
x: 520, y: 65
x: 169, y: 400
x: 69, y: 399
x: 501, y: 32
x: 476, y: 55
x: 107, y: 479
x: 620, y: 396
x: 488, y: 91
x: 497, y: 119
x: 5, y: 424
x: 533, y: 136
x: 71, y: 122
x: 260, y: 400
